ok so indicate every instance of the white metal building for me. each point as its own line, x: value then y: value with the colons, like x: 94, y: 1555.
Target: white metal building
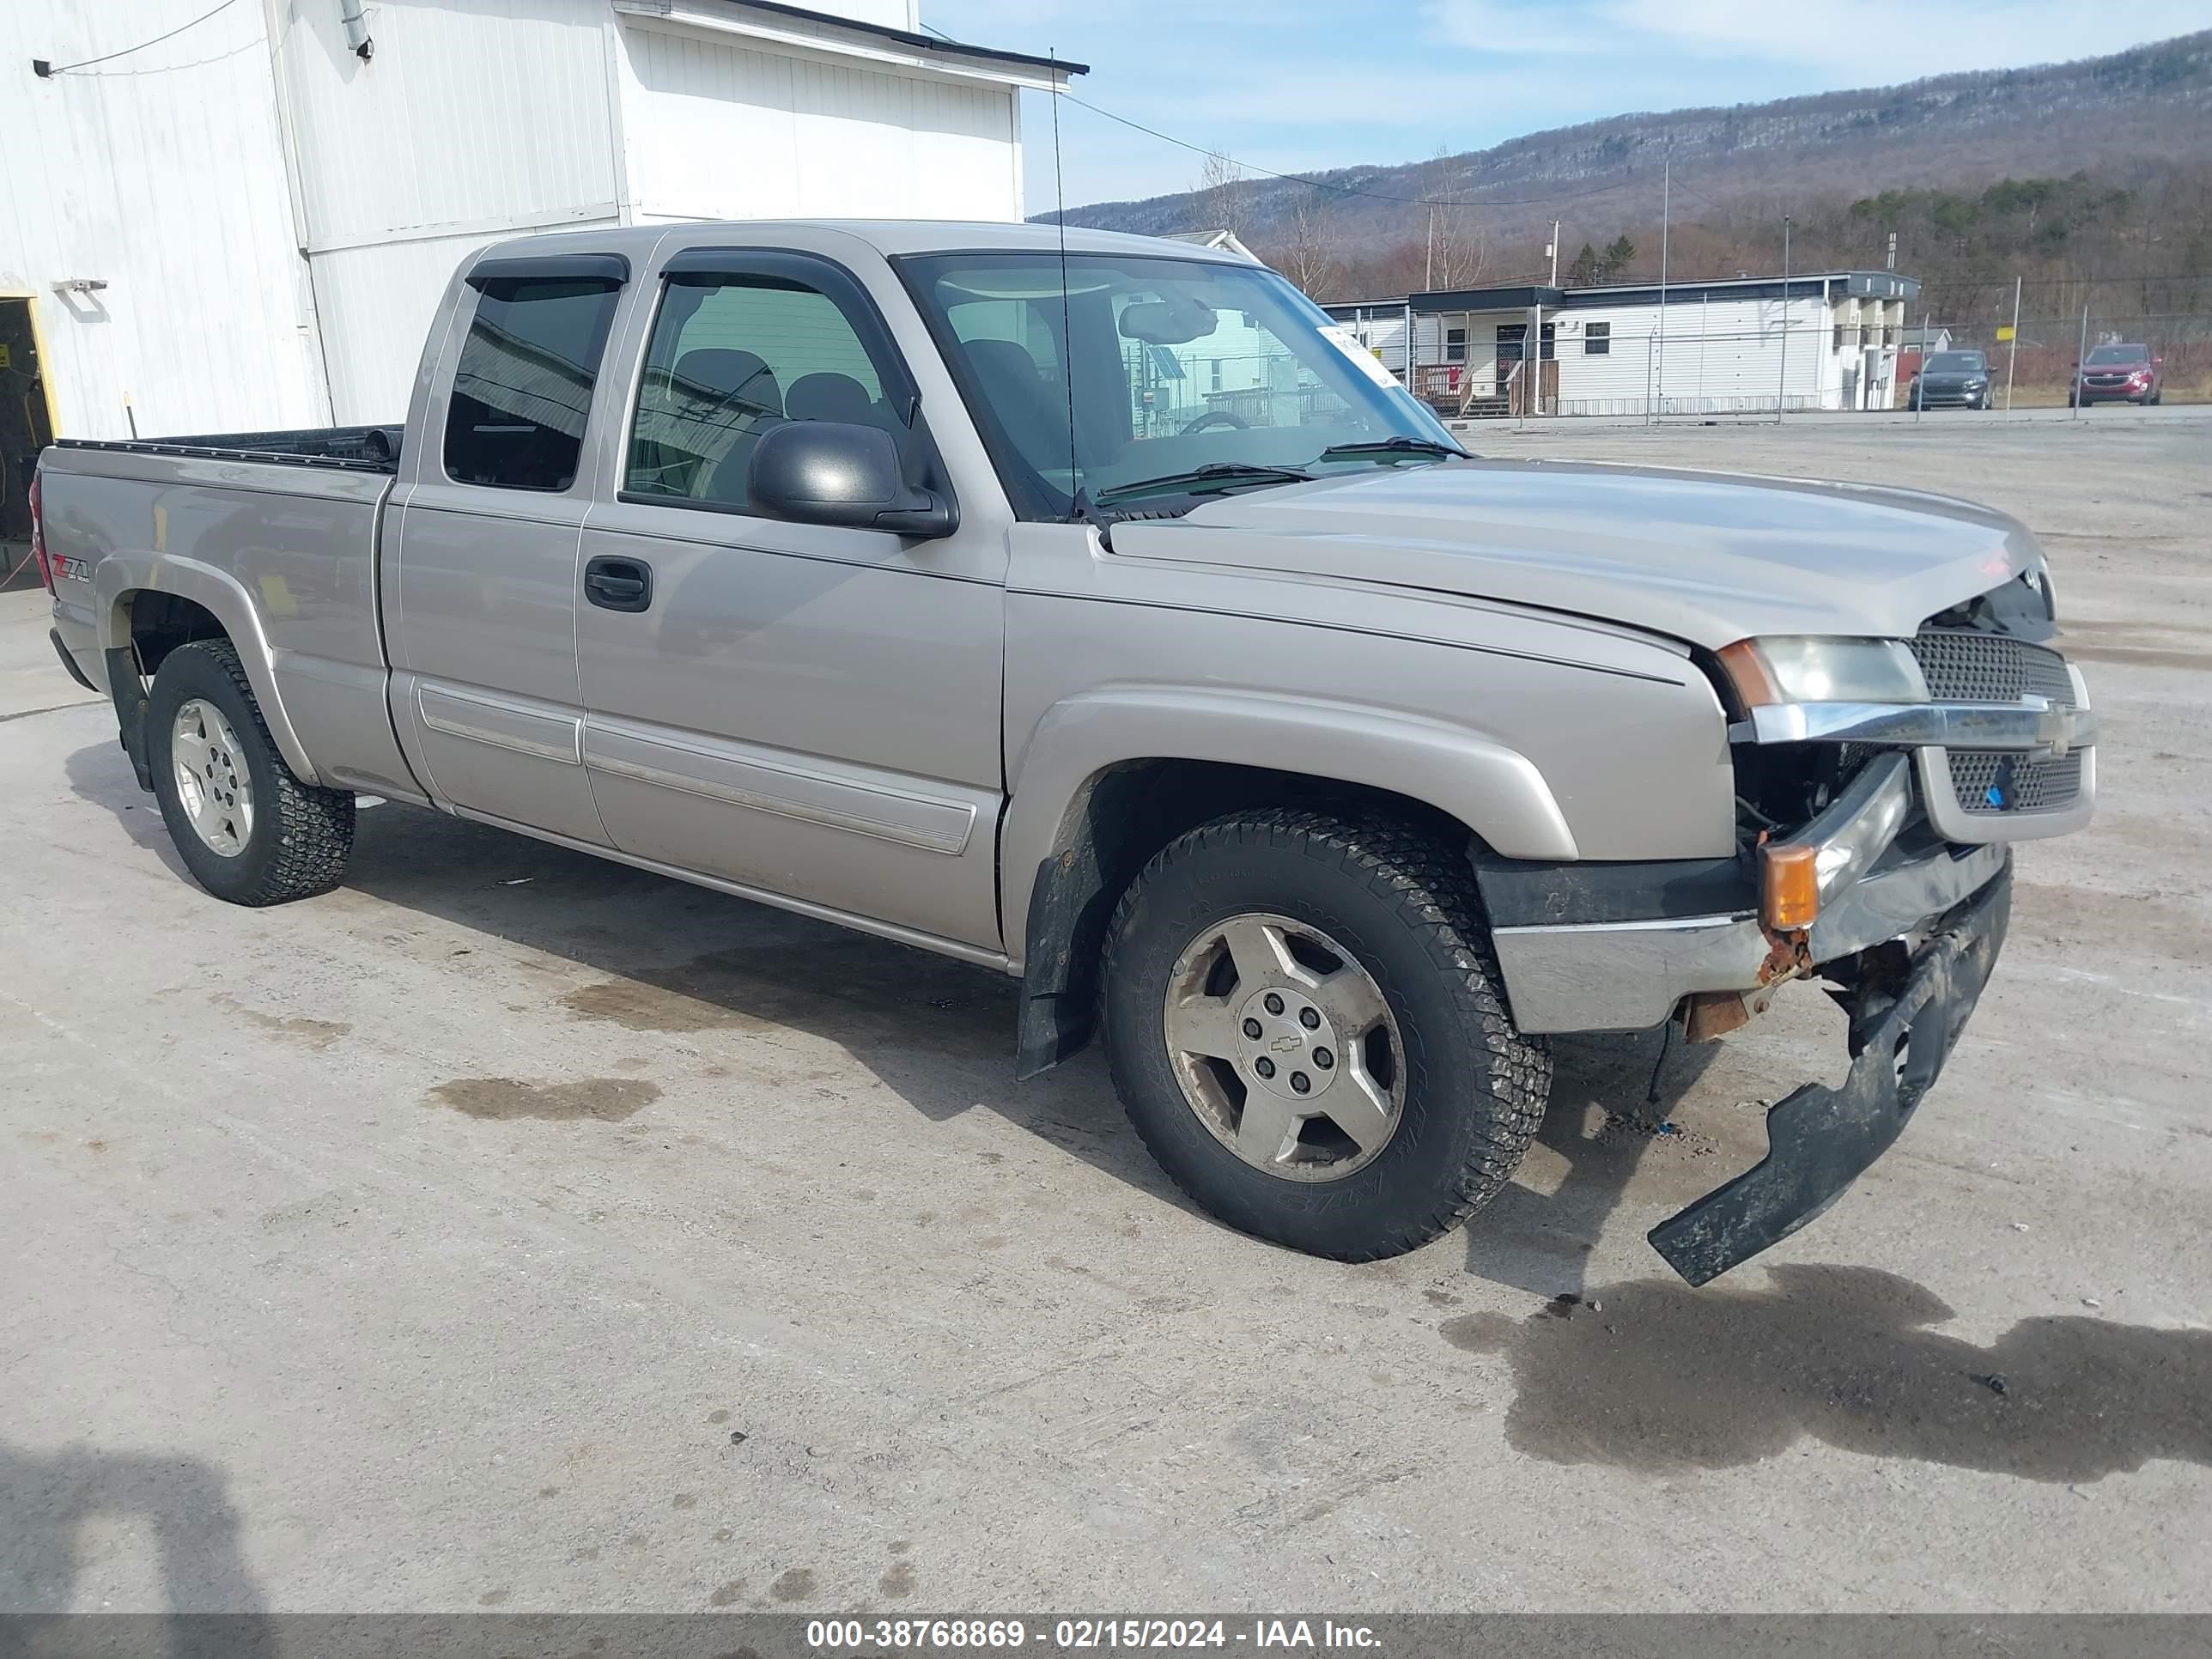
x: 247, y: 224
x: 1824, y: 340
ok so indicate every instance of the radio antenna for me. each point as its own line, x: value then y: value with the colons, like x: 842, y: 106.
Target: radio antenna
x: 1077, y: 508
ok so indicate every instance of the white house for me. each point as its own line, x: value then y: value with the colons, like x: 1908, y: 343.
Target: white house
x: 247, y: 224
x: 1823, y: 340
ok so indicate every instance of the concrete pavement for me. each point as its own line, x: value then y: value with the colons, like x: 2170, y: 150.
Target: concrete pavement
x: 510, y: 1229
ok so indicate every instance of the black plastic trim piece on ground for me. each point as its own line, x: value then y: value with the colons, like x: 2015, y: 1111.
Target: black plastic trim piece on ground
x: 1819, y: 1139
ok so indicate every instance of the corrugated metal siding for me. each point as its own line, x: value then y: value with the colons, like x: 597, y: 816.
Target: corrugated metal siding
x: 377, y: 304
x: 714, y: 130
x: 159, y: 173
x: 495, y: 111
x: 471, y: 124
x: 164, y: 174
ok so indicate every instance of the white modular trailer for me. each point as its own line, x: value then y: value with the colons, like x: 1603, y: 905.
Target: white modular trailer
x: 271, y: 200
x: 1824, y: 340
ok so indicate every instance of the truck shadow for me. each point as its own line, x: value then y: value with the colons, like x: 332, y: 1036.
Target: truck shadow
x: 178, y: 1505
x: 672, y: 960
x: 1653, y: 1376
x: 1613, y: 1100
x: 102, y: 777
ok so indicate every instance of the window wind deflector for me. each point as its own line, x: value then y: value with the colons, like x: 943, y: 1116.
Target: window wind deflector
x: 1199, y: 481
x: 1399, y: 445
x: 612, y: 269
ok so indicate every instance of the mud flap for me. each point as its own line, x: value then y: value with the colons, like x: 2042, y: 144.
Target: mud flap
x: 1819, y: 1139
x: 128, y: 689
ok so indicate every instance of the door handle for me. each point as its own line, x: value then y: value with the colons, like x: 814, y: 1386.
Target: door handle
x: 618, y: 584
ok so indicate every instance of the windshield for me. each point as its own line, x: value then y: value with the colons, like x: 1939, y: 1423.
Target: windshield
x: 1956, y: 362
x: 2118, y: 354
x: 1179, y: 365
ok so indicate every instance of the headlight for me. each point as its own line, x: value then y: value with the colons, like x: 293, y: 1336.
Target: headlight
x: 1810, y: 669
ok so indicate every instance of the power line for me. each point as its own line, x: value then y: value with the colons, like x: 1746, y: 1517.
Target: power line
x: 83, y: 63
x: 1351, y: 190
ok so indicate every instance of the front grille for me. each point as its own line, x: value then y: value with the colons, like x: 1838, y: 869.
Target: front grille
x: 1989, y: 783
x: 1963, y: 664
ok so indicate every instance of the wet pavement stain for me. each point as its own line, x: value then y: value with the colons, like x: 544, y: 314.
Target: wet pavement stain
x: 899, y: 1581
x: 792, y: 1585
x: 315, y: 1034
x: 1667, y: 1378
x: 599, y: 1099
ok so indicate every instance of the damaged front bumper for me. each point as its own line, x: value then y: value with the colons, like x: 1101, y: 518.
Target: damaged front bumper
x: 1820, y: 1139
x: 1908, y: 923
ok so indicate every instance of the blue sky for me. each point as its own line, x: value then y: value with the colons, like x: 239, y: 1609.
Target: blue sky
x: 1296, y: 84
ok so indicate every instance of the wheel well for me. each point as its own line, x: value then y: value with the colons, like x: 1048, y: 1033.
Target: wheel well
x: 160, y: 623
x: 1121, y: 817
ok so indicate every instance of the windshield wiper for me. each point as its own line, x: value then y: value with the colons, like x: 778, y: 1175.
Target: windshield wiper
x: 1399, y: 445
x: 1214, y: 475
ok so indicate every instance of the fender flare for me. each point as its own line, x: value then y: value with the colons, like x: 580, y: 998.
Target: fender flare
x: 120, y: 576
x: 1051, y: 890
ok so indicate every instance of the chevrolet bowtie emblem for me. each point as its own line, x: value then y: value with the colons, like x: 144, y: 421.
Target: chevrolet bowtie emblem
x: 2059, y: 728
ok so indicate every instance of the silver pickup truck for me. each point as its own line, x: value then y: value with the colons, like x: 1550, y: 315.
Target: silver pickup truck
x: 1097, y: 611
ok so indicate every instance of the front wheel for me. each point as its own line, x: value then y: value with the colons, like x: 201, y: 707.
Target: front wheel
x: 248, y: 829
x: 1306, y: 1025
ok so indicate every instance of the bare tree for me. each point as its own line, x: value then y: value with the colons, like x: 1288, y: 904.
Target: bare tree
x: 1307, y: 253
x: 1457, y: 253
x: 1223, y: 202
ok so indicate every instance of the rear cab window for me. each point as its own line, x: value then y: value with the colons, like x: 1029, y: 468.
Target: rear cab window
x: 522, y: 388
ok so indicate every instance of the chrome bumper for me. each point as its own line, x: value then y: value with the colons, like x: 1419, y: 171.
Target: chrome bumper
x: 1630, y: 975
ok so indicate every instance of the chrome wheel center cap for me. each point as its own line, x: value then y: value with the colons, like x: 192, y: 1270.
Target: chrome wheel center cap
x: 1287, y: 1043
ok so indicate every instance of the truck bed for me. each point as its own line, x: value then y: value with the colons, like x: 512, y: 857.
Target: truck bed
x: 355, y: 448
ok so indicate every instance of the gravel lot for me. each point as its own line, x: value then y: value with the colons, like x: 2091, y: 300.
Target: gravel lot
x: 430, y: 1245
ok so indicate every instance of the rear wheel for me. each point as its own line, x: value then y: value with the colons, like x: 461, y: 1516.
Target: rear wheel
x: 1305, y: 1023
x: 248, y: 829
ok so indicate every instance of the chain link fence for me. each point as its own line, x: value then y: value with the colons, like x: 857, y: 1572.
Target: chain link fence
x: 1988, y: 347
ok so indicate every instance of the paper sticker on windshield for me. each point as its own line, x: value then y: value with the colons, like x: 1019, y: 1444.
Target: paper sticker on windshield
x: 1362, y: 359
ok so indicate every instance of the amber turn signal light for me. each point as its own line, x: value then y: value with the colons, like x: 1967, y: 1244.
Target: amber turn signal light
x: 1789, y: 886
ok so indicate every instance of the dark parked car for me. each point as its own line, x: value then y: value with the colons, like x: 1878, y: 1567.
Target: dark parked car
x: 1952, y: 380
x: 2119, y: 375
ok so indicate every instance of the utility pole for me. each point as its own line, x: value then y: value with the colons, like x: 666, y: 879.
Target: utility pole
x: 2011, y: 346
x: 1666, y: 219
x: 1920, y: 379
x: 1429, y: 269
x: 1554, y: 251
x: 2081, y: 354
x: 1781, y: 386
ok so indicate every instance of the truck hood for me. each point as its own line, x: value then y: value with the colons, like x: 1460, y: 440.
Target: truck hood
x: 1705, y: 557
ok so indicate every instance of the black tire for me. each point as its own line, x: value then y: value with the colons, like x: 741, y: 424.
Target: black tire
x: 1403, y: 905
x: 301, y: 836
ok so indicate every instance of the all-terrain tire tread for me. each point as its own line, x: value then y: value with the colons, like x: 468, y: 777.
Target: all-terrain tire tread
x: 1419, y: 875
x: 314, y: 826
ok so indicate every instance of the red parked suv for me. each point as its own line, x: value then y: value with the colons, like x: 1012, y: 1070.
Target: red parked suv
x: 2118, y: 375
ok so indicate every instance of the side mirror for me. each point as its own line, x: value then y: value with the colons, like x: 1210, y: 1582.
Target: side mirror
x: 834, y: 473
